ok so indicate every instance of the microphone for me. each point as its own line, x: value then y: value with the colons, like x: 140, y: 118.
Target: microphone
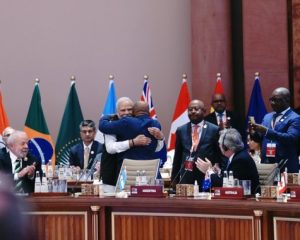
x: 93, y: 164
x: 181, y: 167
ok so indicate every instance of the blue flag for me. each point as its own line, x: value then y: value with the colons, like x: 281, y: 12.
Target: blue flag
x: 110, y: 104
x: 206, y: 184
x: 122, y: 180
x: 109, y: 107
x: 257, y: 107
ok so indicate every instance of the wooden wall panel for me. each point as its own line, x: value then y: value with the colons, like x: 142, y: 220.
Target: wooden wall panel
x: 286, y: 228
x: 59, y: 226
x: 136, y: 226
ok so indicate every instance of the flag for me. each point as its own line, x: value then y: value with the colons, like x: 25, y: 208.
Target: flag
x: 109, y: 107
x: 147, y: 97
x: 4, y: 122
x: 69, y: 134
x: 206, y: 184
x: 218, y: 89
x: 123, y: 178
x: 110, y: 104
x: 219, y: 86
x: 180, y: 115
x: 40, y: 144
x: 257, y: 107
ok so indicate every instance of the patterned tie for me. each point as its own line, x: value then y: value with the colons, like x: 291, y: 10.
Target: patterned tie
x: 17, y: 169
x: 86, y: 157
x: 221, y: 123
x: 195, y: 137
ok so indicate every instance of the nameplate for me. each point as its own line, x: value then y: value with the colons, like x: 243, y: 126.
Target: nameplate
x: 228, y: 193
x: 146, y: 191
x: 295, y: 193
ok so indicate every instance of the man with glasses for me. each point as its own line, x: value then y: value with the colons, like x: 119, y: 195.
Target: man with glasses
x: 223, y: 117
x: 281, y: 131
x: 83, y: 154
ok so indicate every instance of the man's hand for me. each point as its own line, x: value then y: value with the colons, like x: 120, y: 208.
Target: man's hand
x: 258, y: 128
x: 155, y: 132
x: 141, y: 140
x: 203, y: 165
x: 28, y: 170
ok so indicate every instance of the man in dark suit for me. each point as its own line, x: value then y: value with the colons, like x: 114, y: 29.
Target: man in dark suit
x: 281, y: 131
x: 239, y: 161
x: 223, y: 117
x: 18, y: 163
x: 197, y: 138
x: 130, y: 127
x: 84, y: 154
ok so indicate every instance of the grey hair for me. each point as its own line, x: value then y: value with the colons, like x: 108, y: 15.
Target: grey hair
x: 121, y: 100
x: 232, y: 139
x: 15, y: 135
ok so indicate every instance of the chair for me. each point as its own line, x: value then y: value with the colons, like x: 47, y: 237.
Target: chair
x: 132, y: 166
x: 266, y: 173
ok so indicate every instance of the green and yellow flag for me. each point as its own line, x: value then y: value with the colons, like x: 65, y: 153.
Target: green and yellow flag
x: 40, y: 144
x: 69, y: 134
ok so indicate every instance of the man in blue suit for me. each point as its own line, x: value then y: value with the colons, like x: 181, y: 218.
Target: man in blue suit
x: 281, y: 131
x: 83, y: 154
x: 191, y: 144
x: 130, y: 127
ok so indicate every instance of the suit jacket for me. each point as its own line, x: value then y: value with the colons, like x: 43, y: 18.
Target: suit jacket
x: 208, y: 147
x: 77, y: 154
x: 243, y: 168
x: 286, y: 135
x: 110, y: 167
x: 128, y: 128
x: 235, y: 121
x: 6, y: 167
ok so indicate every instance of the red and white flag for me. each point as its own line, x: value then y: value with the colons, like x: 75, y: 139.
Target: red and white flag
x: 218, y: 88
x: 180, y: 115
x: 147, y: 97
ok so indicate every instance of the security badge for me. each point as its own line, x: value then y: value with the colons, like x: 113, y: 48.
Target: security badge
x: 271, y: 150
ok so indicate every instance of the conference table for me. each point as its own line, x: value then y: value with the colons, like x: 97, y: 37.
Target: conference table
x: 91, y: 218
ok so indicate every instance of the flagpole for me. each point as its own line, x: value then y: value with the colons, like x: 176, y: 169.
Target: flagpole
x: 146, y: 77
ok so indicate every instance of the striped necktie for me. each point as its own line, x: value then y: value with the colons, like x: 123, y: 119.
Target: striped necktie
x: 18, y: 167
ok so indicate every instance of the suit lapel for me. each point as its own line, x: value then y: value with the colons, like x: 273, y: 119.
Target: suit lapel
x: 81, y: 154
x: 188, y: 135
x: 203, y: 133
x: 282, y: 120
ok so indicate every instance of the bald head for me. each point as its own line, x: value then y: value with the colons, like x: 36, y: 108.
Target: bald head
x: 140, y: 108
x: 280, y: 99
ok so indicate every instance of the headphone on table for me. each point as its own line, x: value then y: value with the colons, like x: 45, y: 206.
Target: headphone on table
x: 225, y: 148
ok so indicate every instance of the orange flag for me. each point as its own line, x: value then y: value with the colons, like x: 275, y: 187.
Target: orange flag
x: 3, y: 116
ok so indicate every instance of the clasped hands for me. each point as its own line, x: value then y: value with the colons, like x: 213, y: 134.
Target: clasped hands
x: 142, y: 140
x: 205, y: 165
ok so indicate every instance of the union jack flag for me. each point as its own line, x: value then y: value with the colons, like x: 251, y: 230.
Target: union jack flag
x: 147, y: 97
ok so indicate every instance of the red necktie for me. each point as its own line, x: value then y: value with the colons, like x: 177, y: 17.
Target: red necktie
x: 195, y: 137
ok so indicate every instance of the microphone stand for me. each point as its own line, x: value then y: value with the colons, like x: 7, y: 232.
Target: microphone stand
x: 172, y: 191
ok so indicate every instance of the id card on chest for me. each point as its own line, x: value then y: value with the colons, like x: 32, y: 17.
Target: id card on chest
x: 271, y: 150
